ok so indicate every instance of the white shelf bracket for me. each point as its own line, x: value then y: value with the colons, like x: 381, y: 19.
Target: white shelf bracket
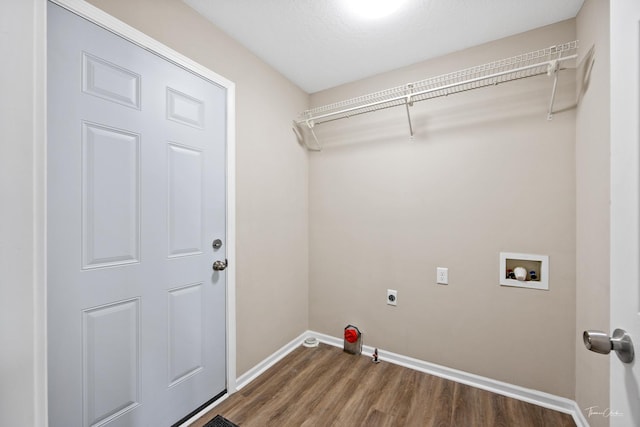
x: 409, y: 119
x: 409, y: 103
x: 318, y: 146
x: 554, y: 67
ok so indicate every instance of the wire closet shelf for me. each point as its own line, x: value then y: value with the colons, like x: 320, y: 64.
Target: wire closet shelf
x: 544, y: 61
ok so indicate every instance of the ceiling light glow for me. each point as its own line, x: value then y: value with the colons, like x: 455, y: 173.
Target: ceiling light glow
x: 373, y: 9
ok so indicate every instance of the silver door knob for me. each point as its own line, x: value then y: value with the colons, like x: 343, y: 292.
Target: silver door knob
x: 600, y: 342
x: 220, y: 265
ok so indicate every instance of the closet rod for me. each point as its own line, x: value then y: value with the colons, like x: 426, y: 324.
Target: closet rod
x: 543, y: 61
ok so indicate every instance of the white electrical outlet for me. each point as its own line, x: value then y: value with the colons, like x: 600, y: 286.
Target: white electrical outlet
x: 442, y: 276
x: 392, y: 297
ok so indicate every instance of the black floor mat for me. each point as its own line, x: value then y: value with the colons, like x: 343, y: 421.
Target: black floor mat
x: 220, y: 421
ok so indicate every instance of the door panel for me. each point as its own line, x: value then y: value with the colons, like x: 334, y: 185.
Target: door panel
x: 185, y: 109
x: 110, y: 202
x: 109, y: 81
x: 111, y: 381
x: 185, y: 207
x: 136, y: 193
x: 186, y: 332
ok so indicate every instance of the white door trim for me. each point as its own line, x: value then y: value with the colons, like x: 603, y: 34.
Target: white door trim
x: 118, y: 27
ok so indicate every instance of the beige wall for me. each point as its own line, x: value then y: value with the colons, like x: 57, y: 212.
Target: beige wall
x: 271, y: 175
x: 592, y: 202
x: 486, y: 173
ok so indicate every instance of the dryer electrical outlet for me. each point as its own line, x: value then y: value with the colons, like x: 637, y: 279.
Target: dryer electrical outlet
x: 392, y: 297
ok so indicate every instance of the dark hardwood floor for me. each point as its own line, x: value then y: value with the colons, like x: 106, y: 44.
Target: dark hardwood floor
x: 326, y: 387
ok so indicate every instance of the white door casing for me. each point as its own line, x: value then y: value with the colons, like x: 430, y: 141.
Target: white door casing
x: 624, y: 407
x: 114, y: 162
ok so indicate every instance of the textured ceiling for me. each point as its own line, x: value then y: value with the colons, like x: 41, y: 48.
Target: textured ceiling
x: 319, y: 44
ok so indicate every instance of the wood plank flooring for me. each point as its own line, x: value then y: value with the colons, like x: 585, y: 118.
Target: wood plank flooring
x: 324, y: 386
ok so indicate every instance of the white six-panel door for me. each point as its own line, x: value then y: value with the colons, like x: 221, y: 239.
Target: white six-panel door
x: 136, y: 195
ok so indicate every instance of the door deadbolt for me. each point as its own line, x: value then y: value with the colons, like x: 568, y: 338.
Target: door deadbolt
x: 217, y: 244
x: 220, y: 265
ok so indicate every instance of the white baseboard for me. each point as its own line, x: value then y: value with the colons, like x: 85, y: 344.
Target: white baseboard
x: 254, y: 372
x: 535, y: 397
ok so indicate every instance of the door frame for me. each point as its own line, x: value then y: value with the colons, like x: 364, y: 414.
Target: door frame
x: 104, y: 20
